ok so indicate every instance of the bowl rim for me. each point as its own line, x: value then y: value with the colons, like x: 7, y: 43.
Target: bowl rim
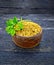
x: 30, y: 36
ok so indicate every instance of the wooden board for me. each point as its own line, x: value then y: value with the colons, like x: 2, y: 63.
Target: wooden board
x: 10, y: 54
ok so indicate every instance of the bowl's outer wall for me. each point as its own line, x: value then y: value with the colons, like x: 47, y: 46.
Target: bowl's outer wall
x: 27, y: 42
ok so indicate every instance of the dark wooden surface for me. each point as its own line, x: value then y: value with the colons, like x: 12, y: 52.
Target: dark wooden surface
x: 27, y: 6
x: 10, y: 54
x: 25, y: 3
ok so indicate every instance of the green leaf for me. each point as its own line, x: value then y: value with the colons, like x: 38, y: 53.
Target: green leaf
x: 15, y: 20
x: 20, y: 25
x: 12, y: 32
x: 10, y: 22
x: 10, y: 29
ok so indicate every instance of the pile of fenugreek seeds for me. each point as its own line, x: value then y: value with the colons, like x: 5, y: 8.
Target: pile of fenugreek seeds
x: 29, y: 29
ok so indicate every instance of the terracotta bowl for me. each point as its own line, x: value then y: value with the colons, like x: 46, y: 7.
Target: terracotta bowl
x: 27, y: 42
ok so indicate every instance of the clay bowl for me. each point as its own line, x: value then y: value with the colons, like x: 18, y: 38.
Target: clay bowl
x: 27, y: 42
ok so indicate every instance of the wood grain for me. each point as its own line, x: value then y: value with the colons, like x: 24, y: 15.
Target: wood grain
x: 43, y: 54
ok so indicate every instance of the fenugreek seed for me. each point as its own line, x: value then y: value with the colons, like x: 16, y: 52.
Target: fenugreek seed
x: 30, y: 29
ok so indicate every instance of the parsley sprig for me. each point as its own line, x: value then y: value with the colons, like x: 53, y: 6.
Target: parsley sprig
x: 13, y: 25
